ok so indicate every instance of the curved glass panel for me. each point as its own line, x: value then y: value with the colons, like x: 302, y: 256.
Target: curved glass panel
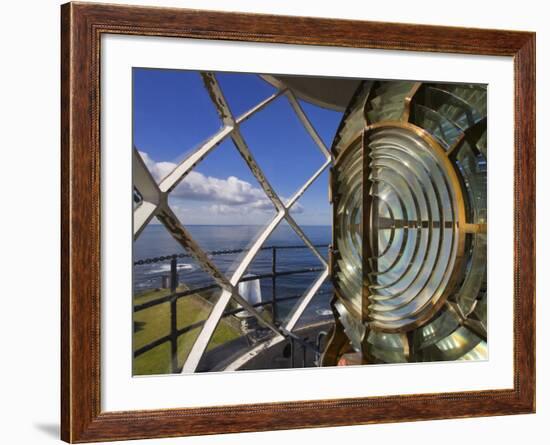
x: 421, y: 295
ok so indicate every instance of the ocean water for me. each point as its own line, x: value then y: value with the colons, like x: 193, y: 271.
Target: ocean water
x: 155, y: 242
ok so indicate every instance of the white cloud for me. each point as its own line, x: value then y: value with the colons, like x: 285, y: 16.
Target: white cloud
x: 232, y: 190
x: 158, y: 169
x: 229, y: 196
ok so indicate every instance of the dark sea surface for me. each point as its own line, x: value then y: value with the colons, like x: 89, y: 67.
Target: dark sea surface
x: 155, y: 242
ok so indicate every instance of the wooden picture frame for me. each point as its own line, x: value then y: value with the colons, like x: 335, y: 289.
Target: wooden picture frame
x: 82, y: 25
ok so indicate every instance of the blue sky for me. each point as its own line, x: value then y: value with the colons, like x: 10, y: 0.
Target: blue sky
x: 173, y: 115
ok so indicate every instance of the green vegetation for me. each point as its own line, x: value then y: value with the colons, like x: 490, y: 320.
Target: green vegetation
x: 153, y: 323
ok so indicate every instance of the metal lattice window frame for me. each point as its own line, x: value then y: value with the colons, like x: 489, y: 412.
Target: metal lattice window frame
x: 155, y: 203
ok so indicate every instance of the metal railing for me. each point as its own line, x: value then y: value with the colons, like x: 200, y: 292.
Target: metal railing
x: 174, y: 296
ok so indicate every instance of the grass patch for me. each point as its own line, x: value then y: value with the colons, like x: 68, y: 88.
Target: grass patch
x: 153, y: 323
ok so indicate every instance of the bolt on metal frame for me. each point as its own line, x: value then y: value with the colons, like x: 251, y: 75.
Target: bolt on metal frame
x: 155, y: 203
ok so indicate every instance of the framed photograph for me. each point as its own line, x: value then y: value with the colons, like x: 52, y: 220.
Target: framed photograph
x: 276, y: 222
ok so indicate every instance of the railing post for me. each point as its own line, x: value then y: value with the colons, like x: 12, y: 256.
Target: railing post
x: 292, y: 349
x: 304, y: 352
x: 320, y: 337
x: 274, y: 283
x: 174, y: 314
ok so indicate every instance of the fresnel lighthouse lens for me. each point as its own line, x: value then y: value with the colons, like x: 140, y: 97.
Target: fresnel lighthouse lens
x: 408, y: 259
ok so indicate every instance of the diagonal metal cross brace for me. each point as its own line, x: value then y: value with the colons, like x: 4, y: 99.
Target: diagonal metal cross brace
x: 307, y: 125
x: 305, y: 300
x: 243, y: 117
x: 306, y: 185
x: 167, y: 217
x: 305, y: 238
x: 287, y: 328
x: 201, y: 343
x: 225, y: 113
x: 272, y: 80
x: 170, y: 182
x: 182, y: 236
